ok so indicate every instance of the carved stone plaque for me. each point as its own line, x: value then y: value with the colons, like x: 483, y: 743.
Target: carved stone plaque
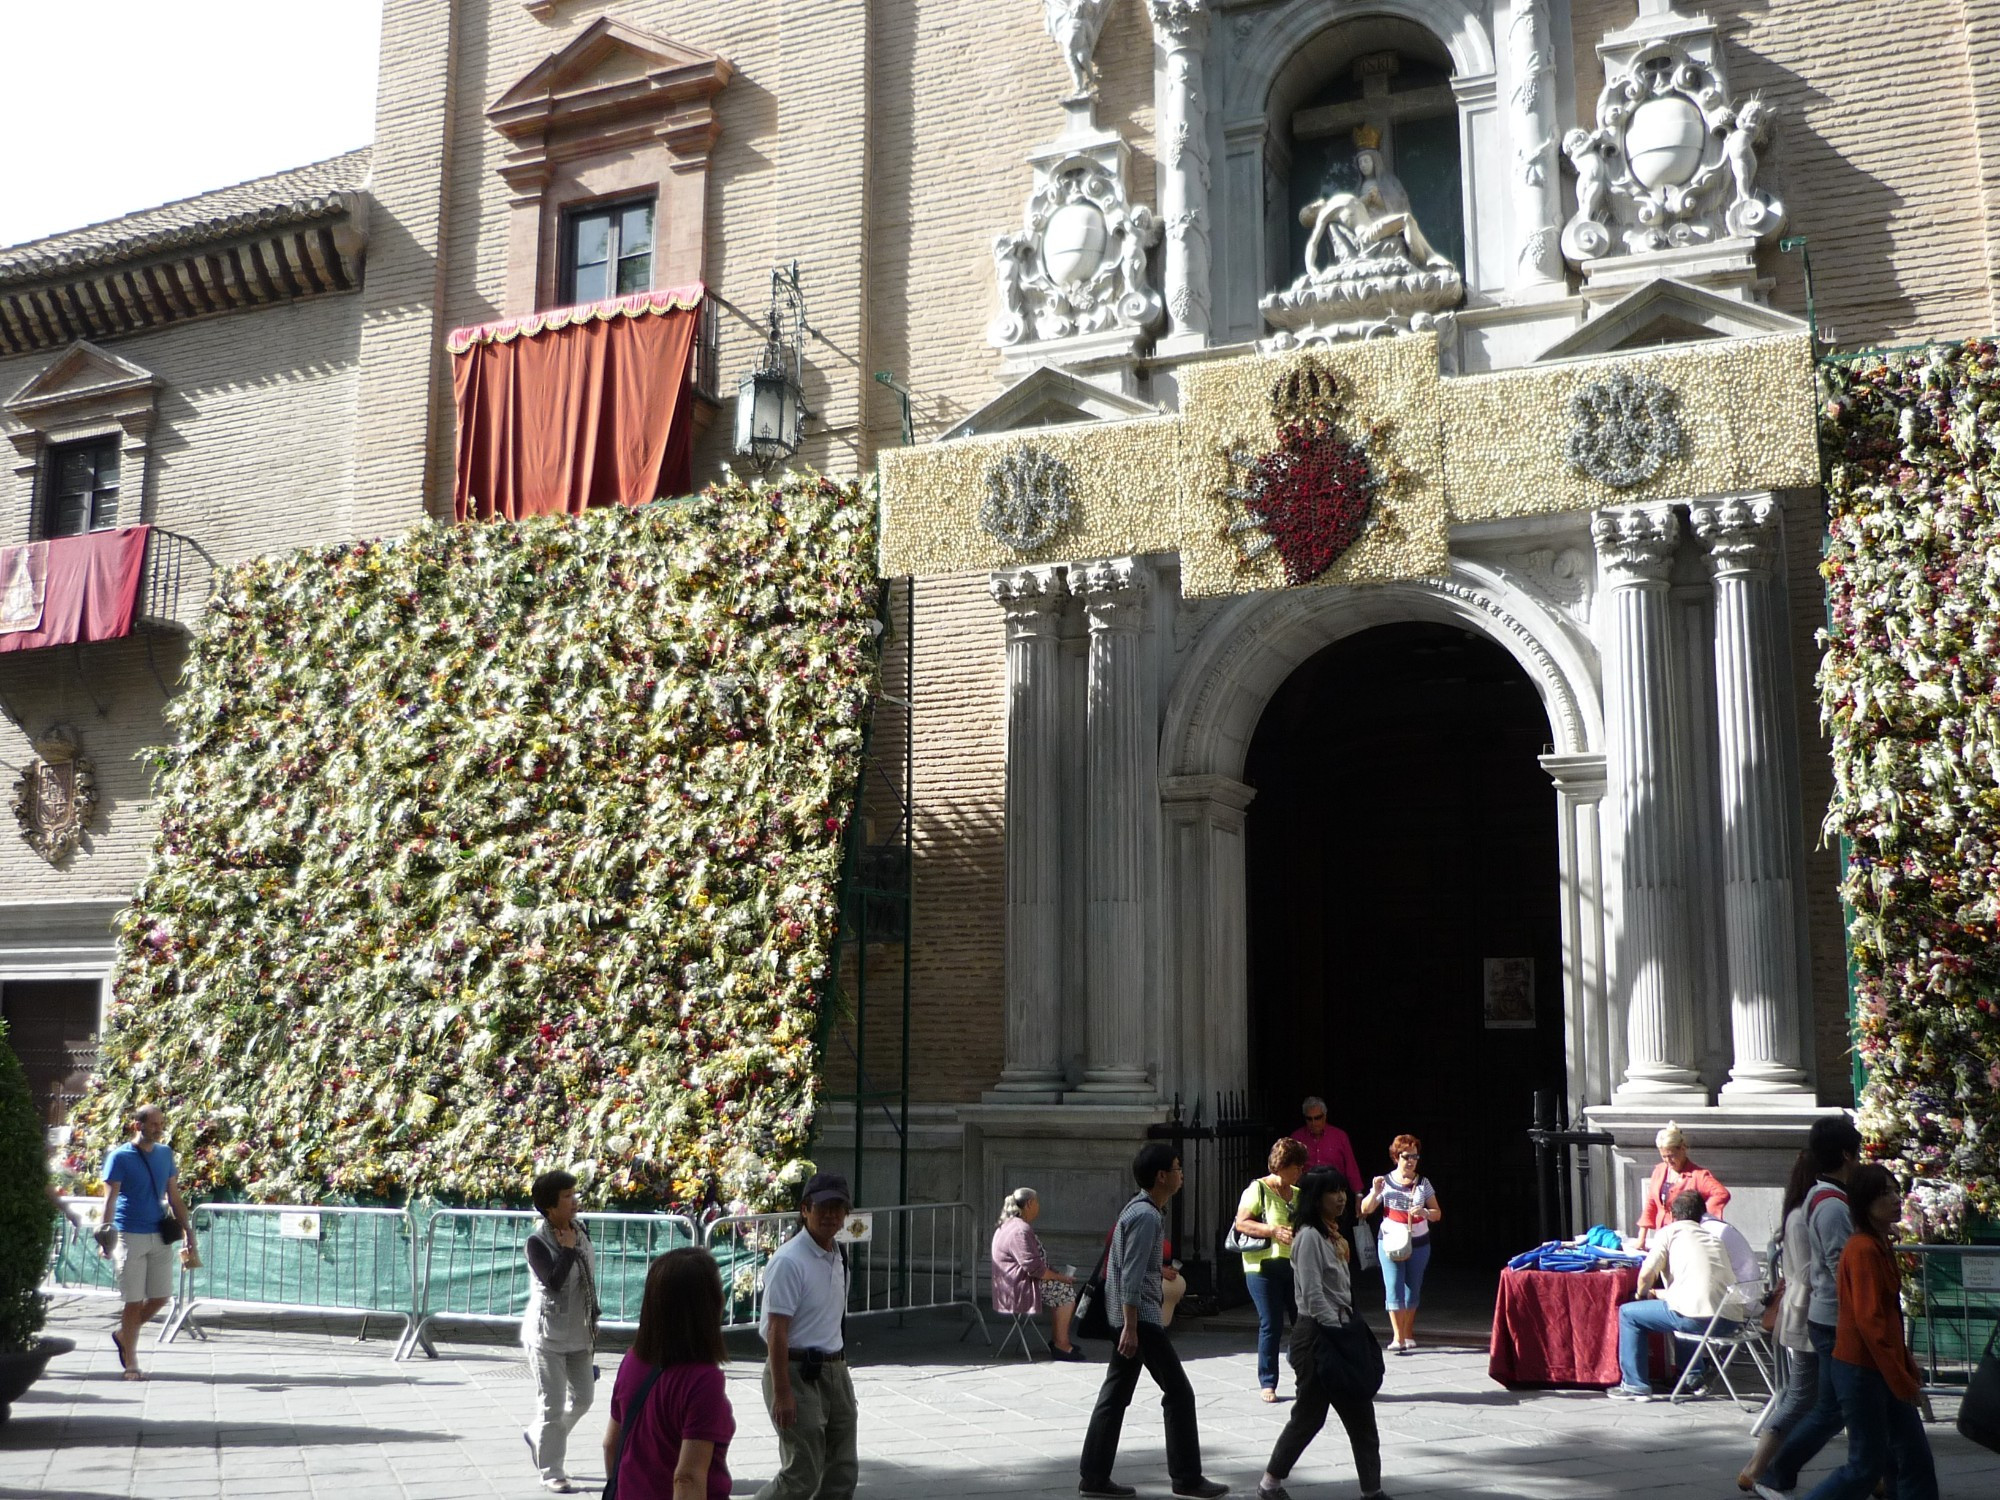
x: 55, y: 796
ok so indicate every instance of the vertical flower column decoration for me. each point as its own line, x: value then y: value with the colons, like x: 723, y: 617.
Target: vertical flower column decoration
x: 1742, y: 535
x: 1636, y: 550
x: 1118, y: 756
x: 1181, y: 103
x: 1032, y: 599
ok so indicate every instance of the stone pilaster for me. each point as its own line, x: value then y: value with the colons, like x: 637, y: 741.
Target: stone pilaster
x: 1742, y: 534
x: 1635, y: 550
x: 1180, y: 27
x: 1032, y: 599
x: 1118, y: 755
x: 1534, y: 178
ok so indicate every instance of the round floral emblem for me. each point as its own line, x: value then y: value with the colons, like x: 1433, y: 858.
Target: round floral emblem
x: 1027, y: 498
x: 1623, y: 428
x: 1309, y: 497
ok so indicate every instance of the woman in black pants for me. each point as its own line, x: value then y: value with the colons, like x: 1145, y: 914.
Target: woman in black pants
x: 1325, y: 1296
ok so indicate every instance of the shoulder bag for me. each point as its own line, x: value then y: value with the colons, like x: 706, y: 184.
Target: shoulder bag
x: 170, y: 1225
x: 625, y: 1430
x: 1091, y: 1321
x: 1236, y: 1241
x: 1348, y: 1359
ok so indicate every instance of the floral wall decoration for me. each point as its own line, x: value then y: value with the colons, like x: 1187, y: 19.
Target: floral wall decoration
x: 1910, y: 692
x: 497, y: 848
x: 1711, y: 418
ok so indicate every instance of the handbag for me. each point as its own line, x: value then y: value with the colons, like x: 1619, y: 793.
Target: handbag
x: 1236, y: 1241
x: 1348, y: 1360
x: 1364, y: 1245
x: 1397, y: 1243
x: 1979, y: 1410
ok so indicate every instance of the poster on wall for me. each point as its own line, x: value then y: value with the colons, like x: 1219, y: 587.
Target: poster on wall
x: 1510, y: 994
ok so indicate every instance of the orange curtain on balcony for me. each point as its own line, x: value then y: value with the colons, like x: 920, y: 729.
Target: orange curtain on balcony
x: 576, y: 407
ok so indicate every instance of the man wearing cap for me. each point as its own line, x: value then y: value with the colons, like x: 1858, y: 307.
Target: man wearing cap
x: 806, y: 1386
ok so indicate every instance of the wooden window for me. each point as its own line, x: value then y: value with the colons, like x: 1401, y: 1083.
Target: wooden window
x: 81, y: 487
x: 607, y: 251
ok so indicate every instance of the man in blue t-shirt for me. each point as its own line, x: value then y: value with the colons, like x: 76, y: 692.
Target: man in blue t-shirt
x: 140, y: 1198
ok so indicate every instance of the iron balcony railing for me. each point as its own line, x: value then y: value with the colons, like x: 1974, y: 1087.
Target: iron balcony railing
x: 178, y: 575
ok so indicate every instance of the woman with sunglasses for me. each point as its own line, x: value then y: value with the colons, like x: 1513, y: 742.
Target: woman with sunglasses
x: 1406, y: 1199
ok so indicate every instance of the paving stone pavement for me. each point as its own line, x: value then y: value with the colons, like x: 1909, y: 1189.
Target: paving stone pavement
x: 267, y: 1409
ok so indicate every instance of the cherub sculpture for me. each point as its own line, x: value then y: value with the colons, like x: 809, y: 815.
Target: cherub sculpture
x: 1075, y: 25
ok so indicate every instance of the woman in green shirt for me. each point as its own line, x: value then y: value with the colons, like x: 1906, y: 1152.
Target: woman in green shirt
x: 1265, y: 1214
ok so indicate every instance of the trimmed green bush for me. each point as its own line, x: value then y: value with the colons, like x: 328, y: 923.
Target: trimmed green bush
x: 500, y: 847
x: 27, y: 1218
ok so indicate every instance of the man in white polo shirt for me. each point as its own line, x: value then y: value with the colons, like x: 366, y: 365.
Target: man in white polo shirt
x: 806, y: 1386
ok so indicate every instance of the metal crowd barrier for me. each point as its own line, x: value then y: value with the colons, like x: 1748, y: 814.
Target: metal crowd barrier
x: 1954, y: 1311
x: 262, y: 1257
x: 907, y: 1258
x: 475, y: 1267
x: 77, y: 1267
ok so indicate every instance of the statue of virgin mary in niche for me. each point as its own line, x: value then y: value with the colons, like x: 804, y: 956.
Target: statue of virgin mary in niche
x: 1354, y: 233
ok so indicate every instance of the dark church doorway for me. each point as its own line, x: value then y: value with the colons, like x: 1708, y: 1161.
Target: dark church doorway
x: 1405, y: 926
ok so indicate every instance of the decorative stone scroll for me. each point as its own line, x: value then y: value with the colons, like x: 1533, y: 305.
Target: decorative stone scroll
x: 1078, y: 263
x: 55, y: 796
x: 1672, y: 162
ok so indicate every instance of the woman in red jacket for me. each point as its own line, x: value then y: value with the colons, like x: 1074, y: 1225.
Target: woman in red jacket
x: 1880, y: 1389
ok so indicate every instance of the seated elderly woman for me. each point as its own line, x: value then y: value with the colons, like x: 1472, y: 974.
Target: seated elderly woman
x: 1695, y: 1280
x: 1023, y: 1279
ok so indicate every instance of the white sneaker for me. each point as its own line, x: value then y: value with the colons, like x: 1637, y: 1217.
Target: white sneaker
x: 560, y: 1484
x: 1771, y: 1491
x: 1629, y: 1393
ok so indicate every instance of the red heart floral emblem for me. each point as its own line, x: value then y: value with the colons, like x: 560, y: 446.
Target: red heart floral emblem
x: 1310, y: 495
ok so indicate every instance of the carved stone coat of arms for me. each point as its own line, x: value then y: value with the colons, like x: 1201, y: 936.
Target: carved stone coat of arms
x: 55, y: 796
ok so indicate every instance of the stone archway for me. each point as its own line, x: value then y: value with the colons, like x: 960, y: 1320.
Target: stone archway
x: 1217, y: 699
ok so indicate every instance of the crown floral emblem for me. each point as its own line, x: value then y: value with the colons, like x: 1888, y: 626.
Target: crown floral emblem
x: 1310, y: 496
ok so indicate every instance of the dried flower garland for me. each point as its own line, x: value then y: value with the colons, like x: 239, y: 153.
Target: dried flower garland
x: 1909, y: 689
x: 496, y: 848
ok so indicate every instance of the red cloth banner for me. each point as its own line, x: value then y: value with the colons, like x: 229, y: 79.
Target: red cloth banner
x: 1558, y: 1327
x: 586, y: 406
x: 90, y: 591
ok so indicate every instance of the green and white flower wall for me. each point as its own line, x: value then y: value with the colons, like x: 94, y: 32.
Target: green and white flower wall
x: 1910, y: 690
x: 497, y: 848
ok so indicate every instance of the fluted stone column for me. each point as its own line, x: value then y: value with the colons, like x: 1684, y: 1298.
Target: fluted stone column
x: 1032, y: 599
x: 1180, y: 27
x: 1118, y: 756
x: 1536, y: 180
x: 1742, y: 533
x: 1635, y: 550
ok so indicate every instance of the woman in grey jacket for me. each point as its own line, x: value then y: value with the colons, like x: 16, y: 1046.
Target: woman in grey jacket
x: 559, y: 1329
x: 1326, y: 1299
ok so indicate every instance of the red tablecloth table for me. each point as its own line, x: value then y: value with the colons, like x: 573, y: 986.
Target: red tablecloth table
x: 1558, y: 1327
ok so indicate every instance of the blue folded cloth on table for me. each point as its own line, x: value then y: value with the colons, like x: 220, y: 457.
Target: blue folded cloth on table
x: 1558, y: 1255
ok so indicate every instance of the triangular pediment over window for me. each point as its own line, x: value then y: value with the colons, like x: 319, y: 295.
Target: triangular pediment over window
x: 1670, y: 312
x: 1049, y: 397
x: 81, y: 373
x: 609, y: 69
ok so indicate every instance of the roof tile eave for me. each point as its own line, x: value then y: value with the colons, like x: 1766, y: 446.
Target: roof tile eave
x: 300, y: 195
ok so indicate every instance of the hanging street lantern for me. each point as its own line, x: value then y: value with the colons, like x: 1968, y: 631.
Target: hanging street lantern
x: 770, y: 400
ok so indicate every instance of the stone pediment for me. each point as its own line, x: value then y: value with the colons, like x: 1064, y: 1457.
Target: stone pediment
x: 82, y: 373
x: 610, y: 75
x: 1664, y: 312
x: 1049, y: 397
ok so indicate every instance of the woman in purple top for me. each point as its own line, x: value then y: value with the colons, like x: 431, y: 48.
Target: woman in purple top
x: 670, y: 1427
x: 1023, y: 1279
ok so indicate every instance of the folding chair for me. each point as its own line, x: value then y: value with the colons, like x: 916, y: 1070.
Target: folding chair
x: 1022, y: 1325
x: 1720, y: 1345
